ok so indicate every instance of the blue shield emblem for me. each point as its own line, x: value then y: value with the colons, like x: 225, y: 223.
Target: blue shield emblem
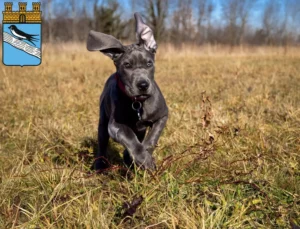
x: 22, y: 41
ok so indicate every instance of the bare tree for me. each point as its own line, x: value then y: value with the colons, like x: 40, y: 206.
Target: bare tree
x: 183, y: 29
x: 73, y: 9
x: 290, y: 23
x: 270, y: 21
x: 129, y: 30
x: 205, y: 9
x: 107, y: 19
x: 236, y: 13
x: 84, y: 23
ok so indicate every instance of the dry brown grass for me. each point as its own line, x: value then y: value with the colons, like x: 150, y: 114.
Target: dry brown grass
x: 228, y: 158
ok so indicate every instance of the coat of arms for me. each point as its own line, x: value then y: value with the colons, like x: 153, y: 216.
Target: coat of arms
x: 22, y: 31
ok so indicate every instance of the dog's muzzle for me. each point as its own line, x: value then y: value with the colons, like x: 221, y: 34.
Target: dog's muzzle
x: 142, y: 85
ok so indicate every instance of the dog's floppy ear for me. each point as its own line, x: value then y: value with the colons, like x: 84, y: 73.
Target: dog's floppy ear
x: 145, y: 34
x: 104, y: 43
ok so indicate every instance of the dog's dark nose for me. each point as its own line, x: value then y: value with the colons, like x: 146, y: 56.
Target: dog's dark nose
x: 142, y: 85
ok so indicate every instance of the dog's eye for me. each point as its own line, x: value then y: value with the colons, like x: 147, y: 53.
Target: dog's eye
x: 149, y: 64
x: 127, y: 65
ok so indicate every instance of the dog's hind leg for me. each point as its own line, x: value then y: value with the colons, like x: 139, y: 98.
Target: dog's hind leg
x: 101, y: 161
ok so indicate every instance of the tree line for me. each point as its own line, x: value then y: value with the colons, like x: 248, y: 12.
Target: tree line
x: 230, y: 22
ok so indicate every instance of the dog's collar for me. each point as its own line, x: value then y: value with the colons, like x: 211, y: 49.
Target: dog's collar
x: 121, y: 86
x: 136, y: 101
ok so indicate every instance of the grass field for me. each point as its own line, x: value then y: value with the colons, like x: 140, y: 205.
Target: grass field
x: 228, y: 158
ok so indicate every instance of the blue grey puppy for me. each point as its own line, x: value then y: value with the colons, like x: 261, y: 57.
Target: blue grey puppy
x: 131, y: 101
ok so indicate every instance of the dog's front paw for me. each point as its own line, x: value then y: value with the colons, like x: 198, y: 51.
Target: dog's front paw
x: 144, y: 159
x: 101, y: 164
